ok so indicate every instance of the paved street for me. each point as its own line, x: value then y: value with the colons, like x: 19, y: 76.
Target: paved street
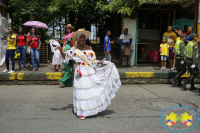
x: 48, y: 109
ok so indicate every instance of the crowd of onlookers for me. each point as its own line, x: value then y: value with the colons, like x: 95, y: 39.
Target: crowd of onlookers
x: 167, y: 49
x: 26, y: 46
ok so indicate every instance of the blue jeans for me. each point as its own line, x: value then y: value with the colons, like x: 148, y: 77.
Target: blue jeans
x: 22, y: 51
x: 108, y: 56
x: 123, y: 52
x: 10, y: 53
x: 35, y: 53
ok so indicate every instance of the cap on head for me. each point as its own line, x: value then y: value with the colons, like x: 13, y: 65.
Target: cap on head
x: 192, y: 36
x: 182, y: 35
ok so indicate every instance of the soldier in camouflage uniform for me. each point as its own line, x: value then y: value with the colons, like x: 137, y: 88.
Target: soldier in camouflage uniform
x: 180, y: 60
x: 192, y: 61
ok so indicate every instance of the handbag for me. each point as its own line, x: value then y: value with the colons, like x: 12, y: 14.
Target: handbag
x: 28, y: 50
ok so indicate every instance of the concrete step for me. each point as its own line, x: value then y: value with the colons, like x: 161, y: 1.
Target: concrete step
x: 52, y: 78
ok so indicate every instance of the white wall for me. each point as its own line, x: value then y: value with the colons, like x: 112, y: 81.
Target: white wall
x: 4, y: 23
x: 131, y: 25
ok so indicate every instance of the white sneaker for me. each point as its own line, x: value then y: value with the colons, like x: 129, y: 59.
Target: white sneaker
x: 5, y: 71
x: 172, y: 69
x: 11, y: 71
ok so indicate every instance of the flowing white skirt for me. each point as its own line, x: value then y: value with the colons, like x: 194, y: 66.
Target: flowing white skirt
x: 96, y: 88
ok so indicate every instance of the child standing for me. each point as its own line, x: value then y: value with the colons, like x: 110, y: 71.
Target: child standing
x: 57, y: 59
x: 164, y: 53
x: 107, y: 46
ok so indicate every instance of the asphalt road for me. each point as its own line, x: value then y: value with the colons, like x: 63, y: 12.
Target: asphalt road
x: 48, y: 109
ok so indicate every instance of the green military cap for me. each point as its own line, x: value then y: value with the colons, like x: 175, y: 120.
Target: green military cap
x: 192, y: 36
x: 182, y: 35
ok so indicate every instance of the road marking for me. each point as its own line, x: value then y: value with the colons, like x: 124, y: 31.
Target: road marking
x: 139, y: 74
x: 12, y: 76
x: 54, y: 75
x: 20, y: 76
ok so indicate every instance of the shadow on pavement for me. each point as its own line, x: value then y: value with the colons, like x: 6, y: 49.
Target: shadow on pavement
x: 63, y: 108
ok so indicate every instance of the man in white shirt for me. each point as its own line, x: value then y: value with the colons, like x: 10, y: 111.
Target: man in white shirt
x: 126, y: 41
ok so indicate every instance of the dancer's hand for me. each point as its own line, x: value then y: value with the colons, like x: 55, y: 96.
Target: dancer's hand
x: 105, y: 62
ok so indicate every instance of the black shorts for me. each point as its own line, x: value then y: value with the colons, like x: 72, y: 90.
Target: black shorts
x: 171, y: 54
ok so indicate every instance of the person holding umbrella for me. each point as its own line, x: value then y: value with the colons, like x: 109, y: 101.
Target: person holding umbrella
x: 34, y: 41
x: 35, y: 44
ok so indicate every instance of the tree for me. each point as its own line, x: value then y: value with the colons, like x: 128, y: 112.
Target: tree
x: 124, y: 6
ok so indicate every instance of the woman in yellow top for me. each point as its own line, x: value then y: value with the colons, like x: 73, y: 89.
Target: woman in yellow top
x: 10, y: 51
x: 164, y: 53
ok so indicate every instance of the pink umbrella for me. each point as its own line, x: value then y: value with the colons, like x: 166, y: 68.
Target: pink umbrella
x: 36, y: 24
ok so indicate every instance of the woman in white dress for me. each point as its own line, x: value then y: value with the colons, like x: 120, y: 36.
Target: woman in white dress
x: 94, y: 87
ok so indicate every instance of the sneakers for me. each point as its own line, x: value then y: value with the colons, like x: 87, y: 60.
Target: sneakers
x: 172, y: 68
x: 162, y: 69
x: 5, y: 71
x: 11, y: 71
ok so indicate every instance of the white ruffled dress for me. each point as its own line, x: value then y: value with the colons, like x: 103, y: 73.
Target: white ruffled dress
x: 96, y: 88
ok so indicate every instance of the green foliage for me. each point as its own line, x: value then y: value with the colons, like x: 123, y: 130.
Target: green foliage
x: 122, y: 6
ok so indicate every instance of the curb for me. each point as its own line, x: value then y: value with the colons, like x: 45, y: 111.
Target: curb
x: 126, y: 77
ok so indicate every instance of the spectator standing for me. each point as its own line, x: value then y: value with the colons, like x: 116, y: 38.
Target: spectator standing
x: 10, y: 51
x: 178, y: 33
x: 69, y: 43
x: 164, y: 53
x: 126, y: 41
x: 21, y: 48
x: 35, y: 44
x: 107, y: 46
x: 171, y: 40
x: 185, y: 30
x: 190, y: 31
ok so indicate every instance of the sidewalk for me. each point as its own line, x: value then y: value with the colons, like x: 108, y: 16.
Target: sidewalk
x: 143, y: 74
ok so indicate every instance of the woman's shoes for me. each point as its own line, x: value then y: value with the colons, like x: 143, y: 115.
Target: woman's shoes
x: 37, y: 69
x: 19, y: 69
x: 54, y: 70
x: 11, y: 71
x: 82, y: 117
x: 61, y: 84
x: 5, y: 70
